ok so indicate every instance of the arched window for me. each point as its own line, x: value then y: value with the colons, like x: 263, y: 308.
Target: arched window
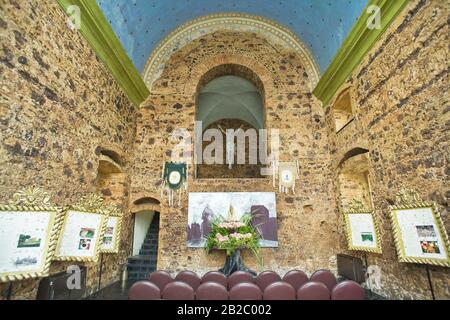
x: 230, y: 111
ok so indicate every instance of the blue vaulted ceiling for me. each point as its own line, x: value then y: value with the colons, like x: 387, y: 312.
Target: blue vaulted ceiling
x: 321, y: 24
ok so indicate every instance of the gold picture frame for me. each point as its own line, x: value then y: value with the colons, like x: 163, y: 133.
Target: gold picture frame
x: 32, y: 201
x: 409, y: 201
x: 91, y: 204
x: 356, y: 207
x: 113, y: 212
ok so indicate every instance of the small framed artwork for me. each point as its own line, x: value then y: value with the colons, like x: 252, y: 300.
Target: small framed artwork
x: 361, y: 229
x: 82, y: 231
x: 111, y: 237
x: 29, y: 228
x: 419, y: 234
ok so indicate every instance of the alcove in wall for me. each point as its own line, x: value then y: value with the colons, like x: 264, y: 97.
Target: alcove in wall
x: 230, y: 97
x: 342, y: 110
x: 353, y: 177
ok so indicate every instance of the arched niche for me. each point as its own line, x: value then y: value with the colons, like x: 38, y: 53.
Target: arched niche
x: 353, y: 177
x: 231, y: 96
x: 111, y: 177
x: 342, y: 109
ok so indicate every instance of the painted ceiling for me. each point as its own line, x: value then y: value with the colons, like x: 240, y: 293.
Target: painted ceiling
x: 321, y: 24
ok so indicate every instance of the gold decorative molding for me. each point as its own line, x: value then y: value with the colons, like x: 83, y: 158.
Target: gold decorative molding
x: 90, y: 203
x: 31, y: 196
x: 196, y: 28
x: 356, y: 206
x: 114, y: 211
x: 409, y: 199
x: 37, y: 201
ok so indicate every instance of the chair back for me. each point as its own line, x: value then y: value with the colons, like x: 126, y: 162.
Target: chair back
x: 239, y: 277
x: 211, y: 291
x: 279, y: 291
x: 266, y: 278
x: 313, y: 291
x: 296, y: 278
x: 160, y: 278
x: 245, y: 291
x: 215, y: 276
x: 326, y: 277
x: 189, y: 277
x: 348, y: 290
x: 144, y: 290
x: 178, y: 290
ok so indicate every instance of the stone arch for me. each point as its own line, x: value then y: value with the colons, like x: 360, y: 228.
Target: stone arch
x: 146, y: 203
x: 261, y: 77
x: 196, y: 28
x: 234, y: 69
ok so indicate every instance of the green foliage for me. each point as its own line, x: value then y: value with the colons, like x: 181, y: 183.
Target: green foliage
x: 230, y: 236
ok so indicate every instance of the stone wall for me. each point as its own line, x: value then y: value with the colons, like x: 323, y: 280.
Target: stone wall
x: 59, y: 108
x: 306, y: 220
x: 400, y: 101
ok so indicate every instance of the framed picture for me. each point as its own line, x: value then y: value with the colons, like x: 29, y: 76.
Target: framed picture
x: 204, y: 207
x: 361, y: 229
x: 29, y: 228
x: 111, y: 237
x: 419, y: 234
x: 82, y: 231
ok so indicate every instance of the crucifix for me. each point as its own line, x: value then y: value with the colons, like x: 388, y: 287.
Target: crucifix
x: 230, y: 151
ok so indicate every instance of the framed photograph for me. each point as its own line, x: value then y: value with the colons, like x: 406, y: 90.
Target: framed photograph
x: 361, y: 229
x: 111, y: 237
x: 420, y: 235
x: 28, y: 235
x: 204, y: 207
x: 82, y: 231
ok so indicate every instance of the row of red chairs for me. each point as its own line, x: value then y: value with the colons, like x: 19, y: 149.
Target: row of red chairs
x: 267, y: 285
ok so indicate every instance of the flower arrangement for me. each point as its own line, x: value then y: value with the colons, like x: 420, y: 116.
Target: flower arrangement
x: 232, y: 235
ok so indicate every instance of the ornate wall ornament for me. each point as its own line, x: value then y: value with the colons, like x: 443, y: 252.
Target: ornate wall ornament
x: 196, y: 28
x: 90, y: 202
x: 31, y: 196
x: 355, y: 206
x: 408, y: 198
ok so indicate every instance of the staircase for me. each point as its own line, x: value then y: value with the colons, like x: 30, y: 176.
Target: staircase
x: 141, y: 265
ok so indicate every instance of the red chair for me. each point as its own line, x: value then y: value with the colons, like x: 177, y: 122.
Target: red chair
x: 211, y: 291
x: 178, y: 290
x: 266, y: 278
x: 239, y: 277
x: 279, y: 291
x: 189, y: 277
x: 313, y: 291
x: 245, y: 291
x: 215, y: 276
x: 160, y: 278
x: 144, y: 290
x: 296, y: 278
x: 348, y: 290
x: 326, y: 277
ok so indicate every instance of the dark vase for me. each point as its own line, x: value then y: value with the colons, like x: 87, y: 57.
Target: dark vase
x: 234, y: 263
